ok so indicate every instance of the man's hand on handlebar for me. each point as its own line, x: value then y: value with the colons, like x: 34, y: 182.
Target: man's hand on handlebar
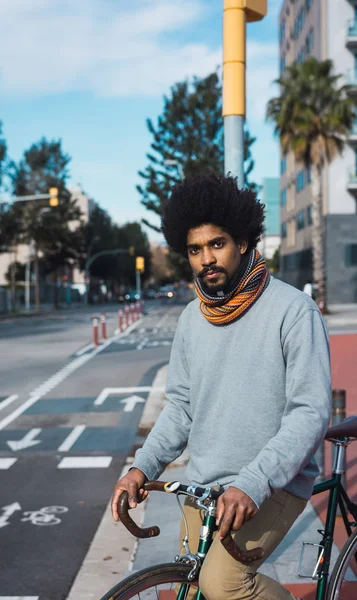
x: 132, y: 483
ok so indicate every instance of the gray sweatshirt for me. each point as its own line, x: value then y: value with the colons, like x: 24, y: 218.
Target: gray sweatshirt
x: 251, y: 399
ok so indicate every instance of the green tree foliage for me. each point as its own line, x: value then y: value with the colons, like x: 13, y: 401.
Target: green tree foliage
x: 313, y: 116
x: 102, y: 234
x: 189, y: 131
x: 45, y: 165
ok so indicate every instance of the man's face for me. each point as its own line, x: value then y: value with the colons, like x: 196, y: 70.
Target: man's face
x: 214, y: 256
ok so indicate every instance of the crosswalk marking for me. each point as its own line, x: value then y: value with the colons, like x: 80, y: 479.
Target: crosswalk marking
x: 85, y: 462
x: 5, y: 464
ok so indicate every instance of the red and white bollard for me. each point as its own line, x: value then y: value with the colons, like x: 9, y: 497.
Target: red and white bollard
x: 142, y: 306
x: 137, y: 307
x: 133, y: 313
x: 103, y: 321
x: 120, y: 320
x: 95, y: 331
x: 127, y: 315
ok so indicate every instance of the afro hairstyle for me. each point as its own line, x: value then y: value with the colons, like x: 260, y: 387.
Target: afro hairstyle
x: 216, y: 200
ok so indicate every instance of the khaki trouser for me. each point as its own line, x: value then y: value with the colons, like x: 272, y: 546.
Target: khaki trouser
x: 223, y: 578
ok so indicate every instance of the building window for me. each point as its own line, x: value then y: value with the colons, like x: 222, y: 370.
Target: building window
x: 308, y: 4
x: 299, y: 23
x: 300, y: 181
x: 351, y: 255
x: 283, y: 165
x: 283, y: 197
x: 282, y: 63
x: 282, y: 31
x: 283, y: 230
x: 300, y: 220
x: 301, y: 56
x: 309, y: 214
x: 309, y: 42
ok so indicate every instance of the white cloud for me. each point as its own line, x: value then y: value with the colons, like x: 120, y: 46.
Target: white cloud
x: 105, y: 47
x: 113, y: 48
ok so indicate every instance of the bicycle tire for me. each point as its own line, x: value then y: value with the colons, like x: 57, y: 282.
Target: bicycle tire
x: 146, y: 579
x: 338, y: 573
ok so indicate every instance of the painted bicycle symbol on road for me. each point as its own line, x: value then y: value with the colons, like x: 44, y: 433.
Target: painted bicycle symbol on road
x: 44, y: 516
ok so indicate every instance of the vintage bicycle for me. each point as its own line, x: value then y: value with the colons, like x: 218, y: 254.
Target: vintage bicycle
x: 173, y: 580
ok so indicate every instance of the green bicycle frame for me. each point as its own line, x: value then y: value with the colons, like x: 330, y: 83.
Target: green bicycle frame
x: 209, y: 522
x: 337, y: 498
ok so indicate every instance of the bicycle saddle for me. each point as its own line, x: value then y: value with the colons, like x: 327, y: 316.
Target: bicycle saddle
x: 345, y: 429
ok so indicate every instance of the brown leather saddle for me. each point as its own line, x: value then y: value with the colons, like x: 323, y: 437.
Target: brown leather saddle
x: 345, y: 429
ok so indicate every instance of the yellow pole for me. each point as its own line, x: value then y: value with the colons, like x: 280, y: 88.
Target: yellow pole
x: 234, y: 58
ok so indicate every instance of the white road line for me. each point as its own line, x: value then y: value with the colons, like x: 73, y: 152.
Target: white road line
x: 8, y: 401
x: 142, y: 344
x: 85, y: 462
x: 162, y: 320
x: 57, y: 378
x: 71, y: 438
x: 125, y: 390
x: 5, y: 464
x: 85, y: 349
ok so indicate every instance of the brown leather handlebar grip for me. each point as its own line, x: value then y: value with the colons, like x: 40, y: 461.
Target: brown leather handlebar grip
x: 123, y: 510
x: 244, y: 556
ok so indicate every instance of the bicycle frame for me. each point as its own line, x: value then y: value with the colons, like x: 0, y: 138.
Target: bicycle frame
x: 338, y: 498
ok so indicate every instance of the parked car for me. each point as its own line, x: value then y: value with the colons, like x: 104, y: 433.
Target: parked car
x: 132, y: 296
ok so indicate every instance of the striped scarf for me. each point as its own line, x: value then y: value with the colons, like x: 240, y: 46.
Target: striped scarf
x: 250, y: 285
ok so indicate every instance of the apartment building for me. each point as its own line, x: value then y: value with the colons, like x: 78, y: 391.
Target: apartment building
x: 324, y: 29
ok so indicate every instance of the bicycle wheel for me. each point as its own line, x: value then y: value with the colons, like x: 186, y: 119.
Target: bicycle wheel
x: 343, y: 582
x: 154, y: 583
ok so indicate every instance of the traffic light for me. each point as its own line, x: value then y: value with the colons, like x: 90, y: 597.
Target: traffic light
x: 140, y: 264
x: 132, y: 250
x: 53, y: 196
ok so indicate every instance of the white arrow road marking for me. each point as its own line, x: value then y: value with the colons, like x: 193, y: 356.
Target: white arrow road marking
x: 131, y: 402
x: 128, y: 390
x: 6, y: 463
x: 7, y: 512
x: 71, y: 438
x: 27, y: 441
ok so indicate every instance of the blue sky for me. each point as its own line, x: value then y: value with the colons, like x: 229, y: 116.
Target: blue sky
x: 91, y: 71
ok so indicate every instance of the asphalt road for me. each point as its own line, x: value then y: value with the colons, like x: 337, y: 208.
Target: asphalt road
x: 65, y: 438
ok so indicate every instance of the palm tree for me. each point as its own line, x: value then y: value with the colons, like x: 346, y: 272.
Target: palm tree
x: 313, y: 117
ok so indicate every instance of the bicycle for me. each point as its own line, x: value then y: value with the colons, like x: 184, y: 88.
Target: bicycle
x: 171, y: 581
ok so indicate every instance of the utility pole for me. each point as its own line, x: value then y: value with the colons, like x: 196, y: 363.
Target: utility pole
x: 236, y: 14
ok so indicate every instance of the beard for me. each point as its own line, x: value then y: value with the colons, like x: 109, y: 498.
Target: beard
x: 212, y: 286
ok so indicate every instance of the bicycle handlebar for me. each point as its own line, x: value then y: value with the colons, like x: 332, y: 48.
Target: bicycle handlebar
x: 243, y: 556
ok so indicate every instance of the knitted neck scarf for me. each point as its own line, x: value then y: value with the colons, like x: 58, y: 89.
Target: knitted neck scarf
x: 250, y: 282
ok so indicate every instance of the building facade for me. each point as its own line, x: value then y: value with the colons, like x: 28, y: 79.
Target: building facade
x: 270, y: 198
x: 324, y: 29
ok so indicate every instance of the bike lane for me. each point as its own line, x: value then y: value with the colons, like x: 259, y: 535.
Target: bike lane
x: 59, y: 460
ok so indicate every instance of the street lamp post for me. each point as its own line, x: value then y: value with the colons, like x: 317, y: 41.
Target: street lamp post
x: 235, y: 16
x: 90, y: 260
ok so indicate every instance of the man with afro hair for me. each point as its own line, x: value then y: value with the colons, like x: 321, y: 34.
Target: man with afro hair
x: 248, y: 389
